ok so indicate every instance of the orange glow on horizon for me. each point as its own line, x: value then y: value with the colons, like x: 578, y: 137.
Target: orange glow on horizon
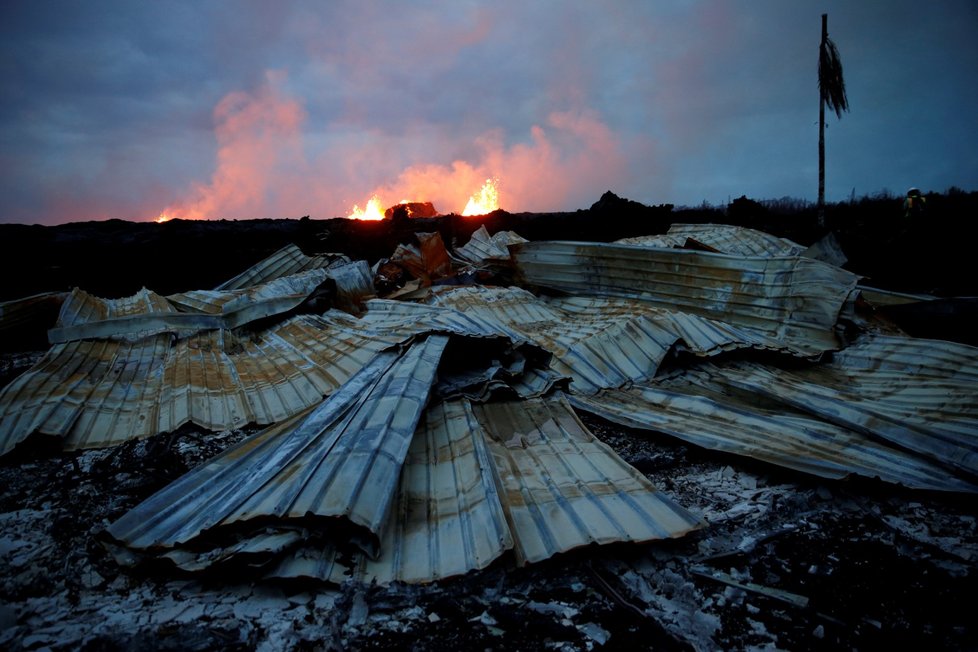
x: 162, y: 217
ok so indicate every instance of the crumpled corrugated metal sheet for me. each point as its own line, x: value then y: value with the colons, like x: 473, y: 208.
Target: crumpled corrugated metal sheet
x: 477, y: 481
x: 564, y: 488
x: 599, y: 342
x: 791, y: 299
x: 286, y: 261
x: 917, y: 394
x: 724, y: 238
x: 694, y: 406
x: 84, y: 316
x: 341, y: 460
x: 482, y: 248
x: 101, y: 392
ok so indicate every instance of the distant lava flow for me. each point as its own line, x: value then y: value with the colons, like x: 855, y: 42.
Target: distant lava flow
x: 484, y: 201
x: 372, y: 211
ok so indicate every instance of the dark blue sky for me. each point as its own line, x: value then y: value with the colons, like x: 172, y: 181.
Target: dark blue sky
x: 283, y: 109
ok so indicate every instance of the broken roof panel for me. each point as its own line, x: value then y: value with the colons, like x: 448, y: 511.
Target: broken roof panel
x: 692, y: 407
x: 482, y: 248
x: 106, y: 391
x: 447, y: 517
x: 791, y: 299
x: 598, y: 341
x: 84, y: 316
x: 563, y: 488
x: 343, y: 459
x: 286, y: 261
x: 917, y: 394
x: 477, y: 481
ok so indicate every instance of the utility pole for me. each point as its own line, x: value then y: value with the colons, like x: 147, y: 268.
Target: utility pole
x: 831, y: 91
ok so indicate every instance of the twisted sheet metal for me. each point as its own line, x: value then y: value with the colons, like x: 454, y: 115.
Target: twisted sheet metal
x: 724, y: 238
x: 447, y: 518
x: 483, y: 248
x: 917, y: 394
x: 101, y: 392
x: 693, y: 407
x: 791, y: 299
x: 341, y: 460
x: 87, y: 317
x: 478, y: 480
x: 599, y: 342
x: 562, y: 488
x: 286, y: 261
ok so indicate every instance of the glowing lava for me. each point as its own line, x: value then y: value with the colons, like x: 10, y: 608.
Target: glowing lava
x: 373, y: 211
x: 483, y: 202
x: 162, y: 217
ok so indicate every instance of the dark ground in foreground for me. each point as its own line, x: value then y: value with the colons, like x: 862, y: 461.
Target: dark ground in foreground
x: 788, y: 562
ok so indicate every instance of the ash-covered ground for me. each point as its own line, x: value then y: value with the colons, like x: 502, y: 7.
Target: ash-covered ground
x: 787, y: 562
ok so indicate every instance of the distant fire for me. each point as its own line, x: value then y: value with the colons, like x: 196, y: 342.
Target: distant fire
x: 373, y: 211
x: 483, y: 202
x: 162, y: 217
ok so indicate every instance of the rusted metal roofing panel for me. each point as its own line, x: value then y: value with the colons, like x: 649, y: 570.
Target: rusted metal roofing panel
x: 917, y: 394
x: 343, y: 459
x: 696, y: 410
x: 482, y: 247
x: 562, y: 488
x: 103, y: 392
x: 792, y: 299
x: 286, y: 261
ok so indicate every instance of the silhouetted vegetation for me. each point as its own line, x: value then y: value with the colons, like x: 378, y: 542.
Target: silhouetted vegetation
x: 931, y: 253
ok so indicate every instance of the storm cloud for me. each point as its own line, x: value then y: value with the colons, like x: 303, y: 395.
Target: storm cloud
x: 252, y: 109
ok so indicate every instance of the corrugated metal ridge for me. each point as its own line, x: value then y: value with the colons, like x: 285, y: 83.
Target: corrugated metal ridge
x: 720, y: 422
x: 343, y: 459
x: 148, y: 313
x: 447, y: 517
x: 794, y: 299
x: 482, y: 247
x: 287, y: 260
x: 607, y: 349
x: 81, y: 307
x: 562, y: 488
x: 929, y: 413
x: 700, y: 335
x: 598, y: 341
x: 737, y: 240
x: 103, y: 392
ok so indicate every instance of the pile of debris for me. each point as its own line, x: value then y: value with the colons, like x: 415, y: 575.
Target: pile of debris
x: 426, y: 418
